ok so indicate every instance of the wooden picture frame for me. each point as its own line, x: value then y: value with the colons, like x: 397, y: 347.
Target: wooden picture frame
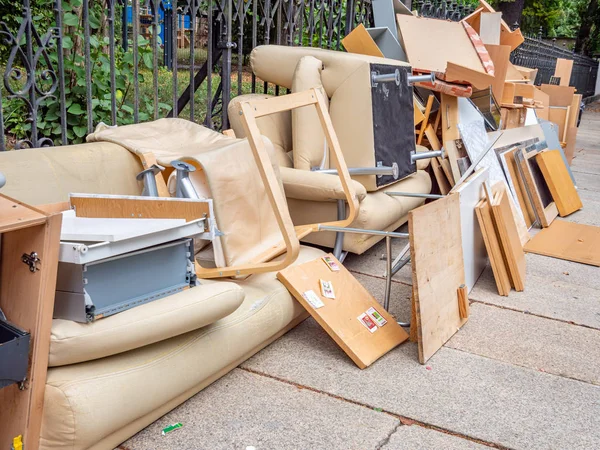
x: 536, y: 186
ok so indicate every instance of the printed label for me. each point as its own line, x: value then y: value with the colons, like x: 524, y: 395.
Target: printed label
x: 367, y: 322
x: 313, y: 299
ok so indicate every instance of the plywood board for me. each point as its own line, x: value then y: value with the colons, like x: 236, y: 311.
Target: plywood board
x: 15, y: 214
x: 574, y: 111
x: 559, y: 95
x: 507, y: 36
x: 563, y: 70
x: 509, y: 238
x: 512, y: 74
x: 360, y: 41
x: 499, y: 54
x: 339, y: 316
x: 508, y: 94
x: 491, y: 239
x: 567, y: 240
x: 570, y: 148
x: 558, y: 115
x: 430, y: 43
x: 489, y: 27
x: 559, y: 182
x: 117, y: 206
x: 438, y: 271
x: 440, y: 177
x: 474, y: 252
x: 541, y: 96
x: 516, y: 214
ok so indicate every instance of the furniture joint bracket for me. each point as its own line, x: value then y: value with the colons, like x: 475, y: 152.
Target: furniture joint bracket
x: 32, y: 261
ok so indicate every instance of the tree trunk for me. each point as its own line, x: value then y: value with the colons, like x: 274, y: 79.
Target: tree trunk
x: 582, y: 45
x: 511, y: 11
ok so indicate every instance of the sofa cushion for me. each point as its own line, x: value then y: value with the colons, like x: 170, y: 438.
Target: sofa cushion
x: 309, y: 144
x: 99, y: 404
x: 378, y: 211
x: 73, y: 342
x: 48, y: 175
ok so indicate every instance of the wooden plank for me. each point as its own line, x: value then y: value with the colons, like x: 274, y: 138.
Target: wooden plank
x: 518, y: 186
x: 509, y: 238
x: 440, y: 177
x: 274, y: 105
x: 450, y: 132
x: 499, y: 54
x: 536, y: 186
x: 541, y: 96
x: 445, y: 164
x: 489, y: 27
x: 507, y: 36
x: 559, y: 182
x: 114, y: 207
x: 418, y: 115
x: 574, y: 111
x: 508, y: 94
x: 563, y: 70
x: 438, y: 271
x: 339, y: 316
x: 569, y: 241
x: 27, y: 299
x: 458, y: 73
x: 53, y: 208
x: 425, y: 121
x: 360, y: 41
x: 491, y: 239
x: 463, y: 302
x: 15, y: 214
x: 517, y: 217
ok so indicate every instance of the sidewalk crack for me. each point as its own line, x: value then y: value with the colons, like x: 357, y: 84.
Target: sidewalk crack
x: 386, y: 439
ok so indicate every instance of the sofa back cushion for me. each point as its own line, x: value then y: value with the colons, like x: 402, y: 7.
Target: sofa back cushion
x: 48, y: 175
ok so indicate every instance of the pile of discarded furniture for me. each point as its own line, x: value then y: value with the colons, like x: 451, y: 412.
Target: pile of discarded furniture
x: 138, y: 268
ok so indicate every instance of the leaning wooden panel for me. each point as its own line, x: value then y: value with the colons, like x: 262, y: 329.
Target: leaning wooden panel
x: 492, y: 245
x: 339, y: 316
x: 536, y: 187
x: 27, y: 299
x: 569, y: 241
x: 509, y: 238
x: 518, y: 185
x: 559, y: 182
x: 438, y: 271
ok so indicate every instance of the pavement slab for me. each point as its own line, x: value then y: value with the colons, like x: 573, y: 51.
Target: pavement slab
x: 537, y: 343
x: 243, y: 409
x: 548, y: 297
x: 474, y: 396
x: 414, y: 437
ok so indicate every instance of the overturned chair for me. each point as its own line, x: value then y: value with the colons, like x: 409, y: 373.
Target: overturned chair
x: 371, y: 108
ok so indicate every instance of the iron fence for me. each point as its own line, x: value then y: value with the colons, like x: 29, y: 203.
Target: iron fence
x: 81, y: 62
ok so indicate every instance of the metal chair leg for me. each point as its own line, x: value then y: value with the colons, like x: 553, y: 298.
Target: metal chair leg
x: 339, y: 237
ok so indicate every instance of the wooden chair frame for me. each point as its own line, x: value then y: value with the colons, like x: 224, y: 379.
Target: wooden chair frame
x: 291, y: 235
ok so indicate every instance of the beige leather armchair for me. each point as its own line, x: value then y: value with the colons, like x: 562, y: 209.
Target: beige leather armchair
x: 375, y: 128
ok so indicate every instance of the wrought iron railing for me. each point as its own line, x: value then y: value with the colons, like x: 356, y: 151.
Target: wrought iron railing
x: 80, y: 65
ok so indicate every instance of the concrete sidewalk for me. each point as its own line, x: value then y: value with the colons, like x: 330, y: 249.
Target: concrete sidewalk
x: 524, y: 372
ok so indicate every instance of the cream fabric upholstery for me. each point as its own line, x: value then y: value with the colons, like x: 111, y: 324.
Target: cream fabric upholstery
x: 277, y: 63
x: 346, y: 79
x: 422, y: 164
x: 310, y: 148
x: 48, y: 175
x: 73, y: 342
x: 99, y: 404
x: 242, y: 209
x: 315, y: 186
x: 277, y: 127
x: 378, y: 211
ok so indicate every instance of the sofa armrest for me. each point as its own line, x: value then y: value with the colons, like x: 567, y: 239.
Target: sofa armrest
x: 73, y: 342
x: 314, y: 186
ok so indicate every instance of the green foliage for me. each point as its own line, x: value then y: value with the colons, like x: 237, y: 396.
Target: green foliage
x: 48, y: 122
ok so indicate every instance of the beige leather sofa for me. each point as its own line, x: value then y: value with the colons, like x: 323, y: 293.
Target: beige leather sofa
x: 109, y: 379
x: 299, y: 143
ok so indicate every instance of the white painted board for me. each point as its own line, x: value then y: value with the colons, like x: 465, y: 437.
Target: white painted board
x: 111, y: 230
x: 474, y: 251
x: 489, y: 27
